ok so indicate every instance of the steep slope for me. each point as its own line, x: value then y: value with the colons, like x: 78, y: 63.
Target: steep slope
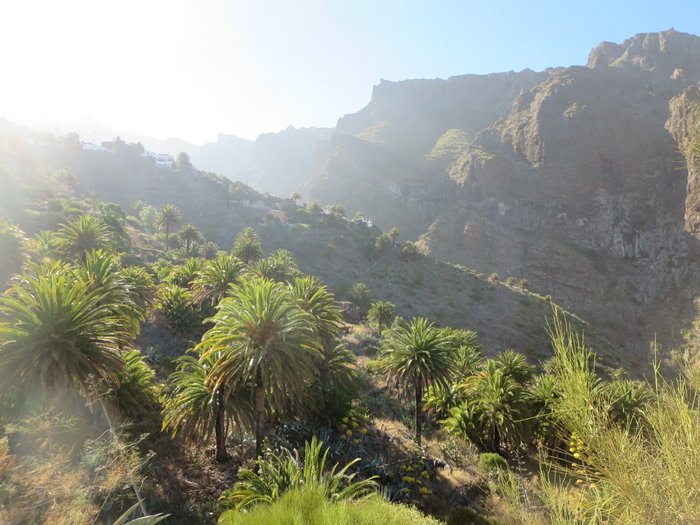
x: 282, y: 163
x: 388, y: 159
x: 581, y: 191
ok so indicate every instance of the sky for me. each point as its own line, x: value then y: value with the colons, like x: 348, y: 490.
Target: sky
x: 193, y: 68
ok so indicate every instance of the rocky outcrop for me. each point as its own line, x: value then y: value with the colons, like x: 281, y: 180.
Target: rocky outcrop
x: 582, y: 191
x: 377, y: 161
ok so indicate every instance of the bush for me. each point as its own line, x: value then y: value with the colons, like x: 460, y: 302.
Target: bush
x: 309, y: 506
x: 493, y: 277
x: 491, y: 463
x: 409, y: 251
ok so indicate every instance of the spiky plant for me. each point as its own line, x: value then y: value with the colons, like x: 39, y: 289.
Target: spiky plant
x: 168, y: 220
x: 280, y: 473
x: 417, y: 356
x: 247, y: 246
x: 262, y: 338
x: 214, y: 279
x: 85, y: 233
x: 57, y: 332
x: 189, y: 235
x: 196, y: 408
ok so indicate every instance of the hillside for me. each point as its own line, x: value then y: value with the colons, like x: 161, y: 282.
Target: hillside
x: 574, y: 179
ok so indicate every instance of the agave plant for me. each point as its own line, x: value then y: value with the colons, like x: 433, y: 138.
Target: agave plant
x: 278, y: 474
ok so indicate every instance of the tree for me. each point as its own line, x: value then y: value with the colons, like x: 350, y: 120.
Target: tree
x: 393, y: 234
x: 417, y: 356
x: 279, y: 266
x: 381, y: 313
x: 498, y: 401
x: 515, y: 365
x: 183, y: 162
x: 247, y: 246
x: 196, y: 407
x: 188, y: 235
x: 361, y: 295
x: 295, y: 197
x: 215, y: 278
x: 185, y: 274
x: 314, y: 208
x: 168, y: 219
x: 84, y: 233
x: 335, y: 365
x: 261, y: 338
x: 57, y: 333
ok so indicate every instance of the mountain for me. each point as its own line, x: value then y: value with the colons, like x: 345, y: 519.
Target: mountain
x: 389, y: 159
x: 283, y: 162
x: 574, y: 179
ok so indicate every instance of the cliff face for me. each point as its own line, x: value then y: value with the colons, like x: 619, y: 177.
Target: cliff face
x: 582, y: 190
x: 379, y: 159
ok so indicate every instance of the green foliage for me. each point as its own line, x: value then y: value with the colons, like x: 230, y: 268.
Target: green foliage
x: 416, y: 356
x: 409, y: 251
x: 56, y: 331
x: 176, y: 304
x: 138, y: 391
x: 194, y: 403
x: 185, y: 274
x: 490, y: 462
x: 449, y: 146
x: 439, y: 401
x: 515, y: 365
x: 262, y: 337
x: 498, y: 401
x: 361, y: 295
x: 381, y: 313
x: 168, y: 220
x: 466, y: 516
x: 189, y: 235
x: 310, y: 507
x: 279, y: 266
x: 215, y: 277
x: 277, y: 474
x: 247, y: 246
x: 84, y: 233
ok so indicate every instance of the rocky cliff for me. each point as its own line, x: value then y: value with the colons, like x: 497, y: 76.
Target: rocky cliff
x: 582, y: 190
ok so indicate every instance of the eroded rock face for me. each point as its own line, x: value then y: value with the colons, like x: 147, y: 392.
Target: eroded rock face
x: 582, y: 190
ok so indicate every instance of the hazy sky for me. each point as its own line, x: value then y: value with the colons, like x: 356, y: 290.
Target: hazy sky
x: 193, y: 68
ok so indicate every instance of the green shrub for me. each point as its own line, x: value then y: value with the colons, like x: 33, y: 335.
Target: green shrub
x: 490, y: 462
x: 311, y: 507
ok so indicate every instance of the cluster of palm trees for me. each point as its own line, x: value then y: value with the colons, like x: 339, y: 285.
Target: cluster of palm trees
x: 493, y: 402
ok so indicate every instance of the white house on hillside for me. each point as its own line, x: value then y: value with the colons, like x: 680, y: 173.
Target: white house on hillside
x: 89, y: 146
x: 163, y: 159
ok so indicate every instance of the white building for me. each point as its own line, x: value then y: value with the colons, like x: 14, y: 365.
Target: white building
x: 163, y: 159
x: 89, y: 146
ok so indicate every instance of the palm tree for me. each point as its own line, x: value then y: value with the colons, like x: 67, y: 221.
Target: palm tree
x: 84, y: 233
x: 499, y: 403
x: 247, y: 246
x: 137, y: 391
x: 381, y: 313
x: 262, y: 338
x: 279, y: 266
x: 188, y: 235
x: 195, y: 407
x: 515, y: 365
x: 215, y: 278
x: 100, y: 271
x: 284, y: 472
x: 185, y: 274
x: 56, y: 332
x: 335, y: 366
x: 168, y: 219
x: 417, y: 356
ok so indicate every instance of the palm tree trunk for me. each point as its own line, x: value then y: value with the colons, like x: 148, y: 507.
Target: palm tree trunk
x: 220, y: 428
x: 496, y: 440
x: 259, y: 414
x: 167, y: 237
x: 419, y: 411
